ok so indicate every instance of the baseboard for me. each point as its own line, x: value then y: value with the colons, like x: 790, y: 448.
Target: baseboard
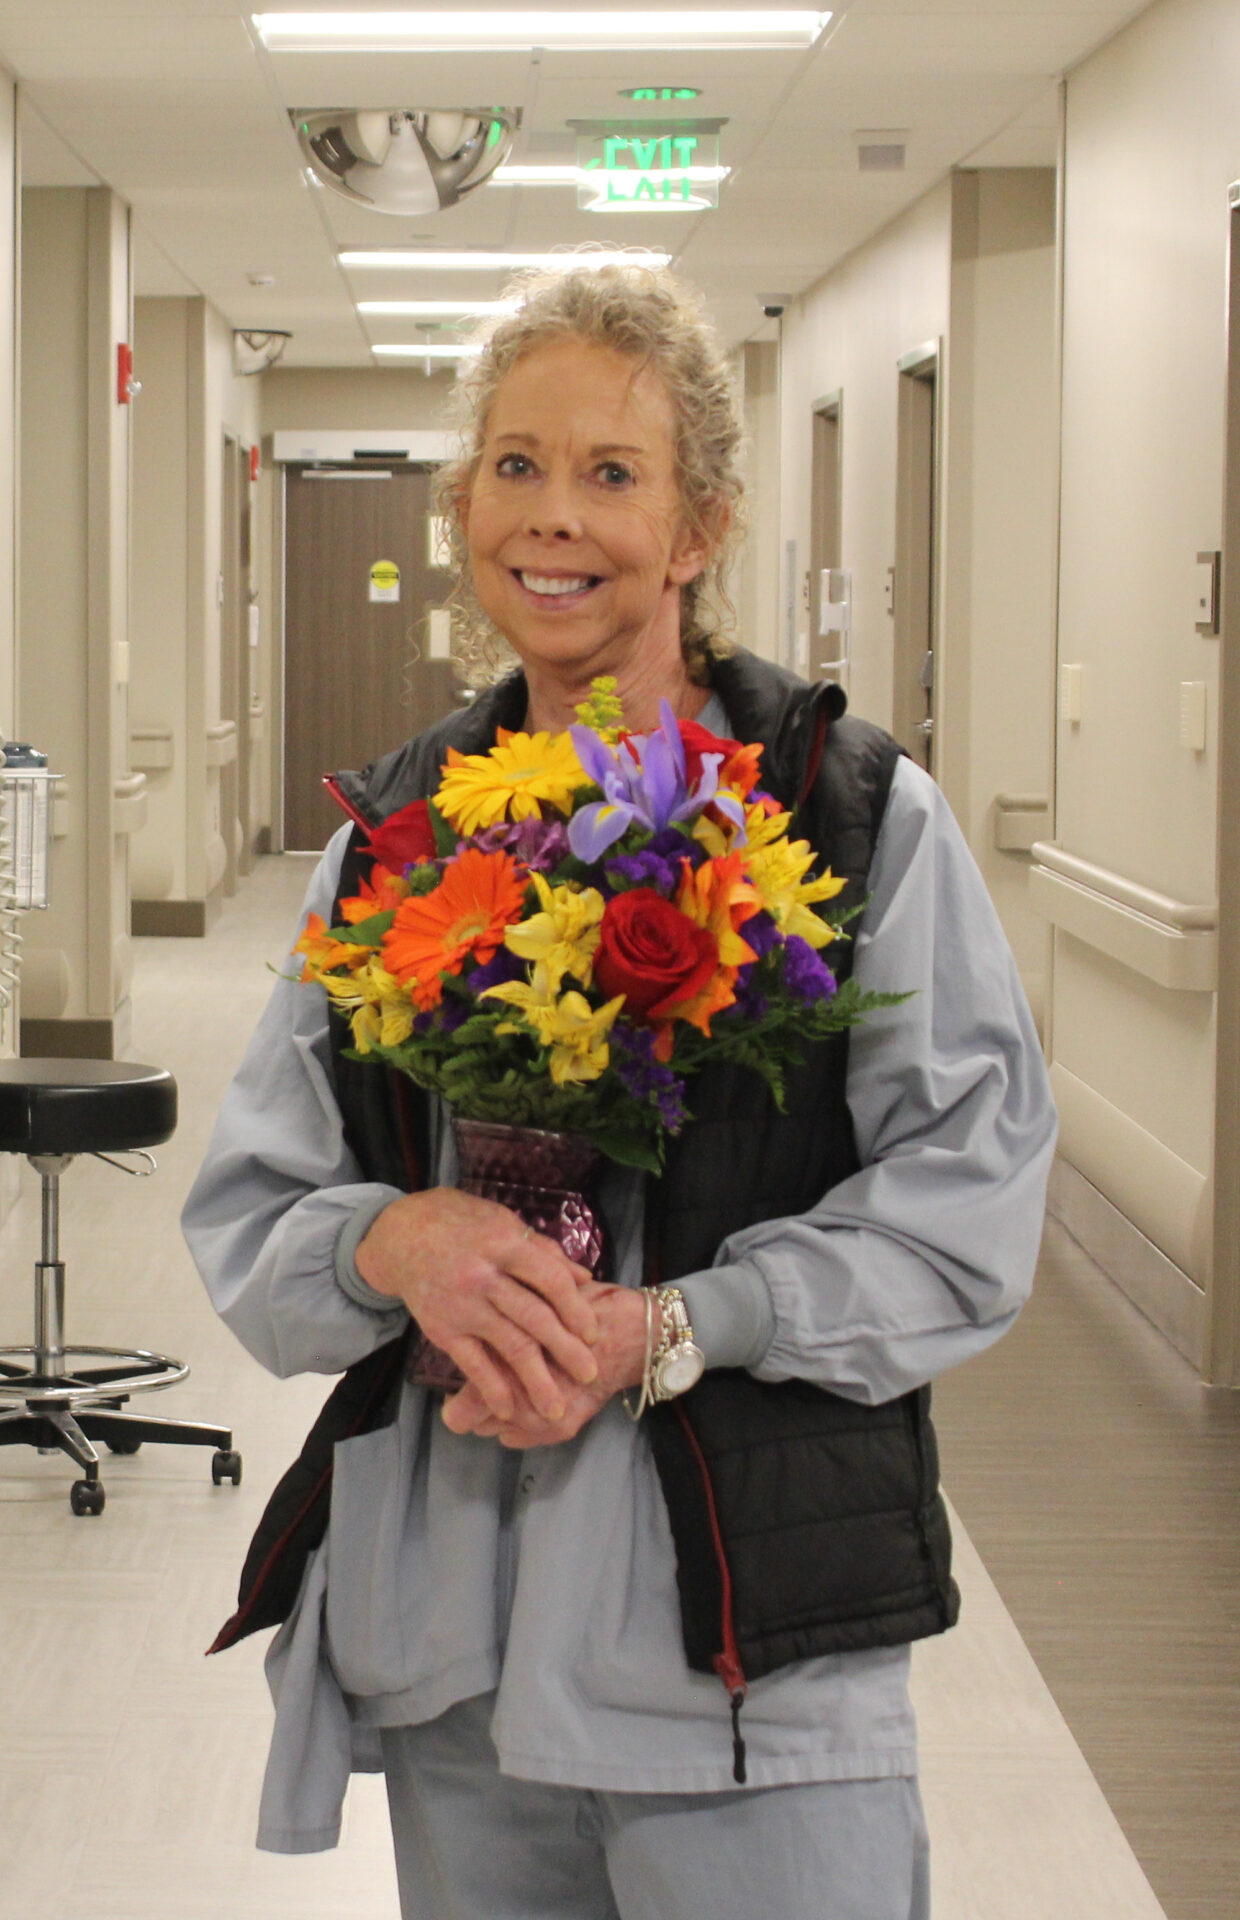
x: 68, y: 1040
x: 170, y: 919
x: 1161, y: 1291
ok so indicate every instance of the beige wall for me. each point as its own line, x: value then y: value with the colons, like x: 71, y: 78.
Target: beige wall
x: 846, y: 335
x: 9, y: 223
x: 191, y: 400
x: 995, y: 694
x: 756, y: 590
x: 74, y: 528
x: 1152, y: 141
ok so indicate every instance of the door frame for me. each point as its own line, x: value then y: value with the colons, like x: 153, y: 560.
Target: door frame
x: 921, y: 366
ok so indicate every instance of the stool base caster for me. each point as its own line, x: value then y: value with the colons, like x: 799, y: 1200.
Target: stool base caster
x: 226, y: 1465
x: 86, y: 1496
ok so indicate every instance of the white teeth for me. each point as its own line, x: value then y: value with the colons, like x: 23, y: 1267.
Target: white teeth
x: 554, y: 584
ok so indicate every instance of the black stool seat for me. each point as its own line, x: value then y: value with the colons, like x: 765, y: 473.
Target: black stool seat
x: 84, y: 1106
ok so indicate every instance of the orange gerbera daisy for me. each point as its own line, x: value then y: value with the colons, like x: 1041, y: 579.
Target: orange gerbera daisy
x: 322, y: 952
x: 434, y: 933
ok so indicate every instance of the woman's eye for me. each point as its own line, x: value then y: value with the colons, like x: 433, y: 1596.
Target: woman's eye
x: 614, y: 474
x: 515, y: 465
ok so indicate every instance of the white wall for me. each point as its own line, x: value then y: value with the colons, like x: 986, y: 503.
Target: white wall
x: 1152, y: 141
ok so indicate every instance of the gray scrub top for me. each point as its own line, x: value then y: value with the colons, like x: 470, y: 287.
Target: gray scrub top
x: 453, y: 1566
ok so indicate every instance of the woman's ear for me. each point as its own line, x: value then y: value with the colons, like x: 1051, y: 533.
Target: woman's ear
x: 698, y: 543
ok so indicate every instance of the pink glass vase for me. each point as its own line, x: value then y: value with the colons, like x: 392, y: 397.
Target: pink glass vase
x: 544, y: 1178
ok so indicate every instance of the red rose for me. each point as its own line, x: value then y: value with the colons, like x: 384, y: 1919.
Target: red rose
x: 404, y: 838
x: 652, y: 953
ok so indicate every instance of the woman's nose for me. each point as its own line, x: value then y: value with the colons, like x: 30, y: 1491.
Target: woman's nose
x: 552, y: 513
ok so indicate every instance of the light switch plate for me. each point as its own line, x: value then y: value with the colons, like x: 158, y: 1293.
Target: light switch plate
x: 1071, y: 688
x: 1193, y: 715
x: 439, y: 634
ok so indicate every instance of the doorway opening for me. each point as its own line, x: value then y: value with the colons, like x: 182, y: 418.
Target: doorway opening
x: 830, y: 588
x: 914, y: 591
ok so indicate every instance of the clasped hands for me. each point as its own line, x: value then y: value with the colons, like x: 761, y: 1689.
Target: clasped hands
x: 542, y: 1344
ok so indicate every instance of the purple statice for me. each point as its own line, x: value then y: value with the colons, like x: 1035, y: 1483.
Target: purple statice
x: 750, y: 1002
x: 496, y: 972
x: 632, y: 1055
x: 805, y: 975
x: 537, y: 844
x: 760, y: 933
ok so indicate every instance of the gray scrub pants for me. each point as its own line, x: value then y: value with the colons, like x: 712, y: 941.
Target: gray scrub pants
x: 472, y: 1844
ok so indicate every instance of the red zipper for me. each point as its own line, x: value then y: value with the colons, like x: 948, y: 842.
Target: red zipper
x: 727, y: 1664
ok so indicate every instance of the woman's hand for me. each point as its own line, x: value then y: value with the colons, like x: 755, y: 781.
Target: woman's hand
x: 505, y: 1303
x: 621, y: 1355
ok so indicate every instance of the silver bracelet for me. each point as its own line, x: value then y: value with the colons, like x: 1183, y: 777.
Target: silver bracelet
x: 635, y: 1413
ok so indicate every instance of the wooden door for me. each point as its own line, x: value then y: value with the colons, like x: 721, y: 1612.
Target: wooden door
x: 357, y: 679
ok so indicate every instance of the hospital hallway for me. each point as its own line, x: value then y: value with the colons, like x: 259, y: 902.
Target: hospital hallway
x: 1077, y: 1728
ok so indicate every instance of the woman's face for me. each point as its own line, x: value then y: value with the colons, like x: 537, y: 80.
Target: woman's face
x: 577, y: 537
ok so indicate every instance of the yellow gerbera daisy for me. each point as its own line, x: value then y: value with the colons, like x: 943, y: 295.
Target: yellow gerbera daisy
x: 511, y: 782
x: 564, y: 936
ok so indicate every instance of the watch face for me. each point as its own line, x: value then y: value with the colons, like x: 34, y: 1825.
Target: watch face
x: 682, y: 1369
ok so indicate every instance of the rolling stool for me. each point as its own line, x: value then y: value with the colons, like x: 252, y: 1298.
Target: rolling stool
x: 52, y: 1110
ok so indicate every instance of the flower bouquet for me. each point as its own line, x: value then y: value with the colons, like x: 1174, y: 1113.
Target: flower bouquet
x: 577, y: 923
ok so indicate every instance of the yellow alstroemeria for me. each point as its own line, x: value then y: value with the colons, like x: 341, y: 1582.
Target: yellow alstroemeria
x: 564, y: 937
x: 322, y: 952
x: 777, y: 872
x: 573, y: 1030
x: 383, y: 1012
x: 761, y: 828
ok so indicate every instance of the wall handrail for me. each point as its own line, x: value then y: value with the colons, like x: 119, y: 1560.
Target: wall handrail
x: 1177, y: 914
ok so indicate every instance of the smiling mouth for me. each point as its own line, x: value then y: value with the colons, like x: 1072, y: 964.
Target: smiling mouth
x: 556, y: 586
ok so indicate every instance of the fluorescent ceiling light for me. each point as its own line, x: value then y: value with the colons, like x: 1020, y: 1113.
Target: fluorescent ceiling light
x: 565, y: 176
x: 495, y: 262
x: 392, y: 32
x: 441, y: 309
x: 438, y: 350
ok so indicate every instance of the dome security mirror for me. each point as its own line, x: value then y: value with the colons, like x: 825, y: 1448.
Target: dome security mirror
x: 404, y: 161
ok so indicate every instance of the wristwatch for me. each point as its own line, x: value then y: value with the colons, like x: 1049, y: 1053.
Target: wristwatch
x: 677, y: 1363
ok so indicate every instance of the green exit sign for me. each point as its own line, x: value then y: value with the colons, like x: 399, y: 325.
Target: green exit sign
x: 649, y: 167
x: 659, y: 93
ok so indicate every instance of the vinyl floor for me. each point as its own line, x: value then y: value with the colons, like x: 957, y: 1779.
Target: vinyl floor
x: 1078, y: 1728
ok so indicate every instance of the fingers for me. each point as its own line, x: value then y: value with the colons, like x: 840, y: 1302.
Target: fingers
x: 539, y: 1265
x: 530, y: 1312
x: 485, y: 1374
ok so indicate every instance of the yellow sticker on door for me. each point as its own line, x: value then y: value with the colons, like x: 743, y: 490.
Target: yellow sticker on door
x: 385, y: 580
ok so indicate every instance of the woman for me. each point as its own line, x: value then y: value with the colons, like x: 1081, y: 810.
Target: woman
x: 524, y: 1603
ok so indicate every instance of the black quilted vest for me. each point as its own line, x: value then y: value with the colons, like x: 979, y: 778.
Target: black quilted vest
x: 804, y: 1523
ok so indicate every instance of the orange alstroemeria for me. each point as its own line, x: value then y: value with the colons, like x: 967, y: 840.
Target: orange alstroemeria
x: 435, y: 933
x: 716, y: 896
x: 323, y: 954
x: 382, y: 893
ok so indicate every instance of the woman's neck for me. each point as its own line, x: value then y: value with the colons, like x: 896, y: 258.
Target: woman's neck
x: 555, y: 697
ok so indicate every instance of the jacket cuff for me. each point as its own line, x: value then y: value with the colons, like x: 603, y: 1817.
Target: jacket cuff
x: 731, y: 1313
x: 350, y: 1238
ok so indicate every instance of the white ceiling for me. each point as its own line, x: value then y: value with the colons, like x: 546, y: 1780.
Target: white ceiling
x: 177, y: 106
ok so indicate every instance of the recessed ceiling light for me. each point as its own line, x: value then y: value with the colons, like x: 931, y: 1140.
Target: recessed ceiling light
x: 496, y: 262
x: 438, y: 350
x: 393, y: 32
x: 440, y: 308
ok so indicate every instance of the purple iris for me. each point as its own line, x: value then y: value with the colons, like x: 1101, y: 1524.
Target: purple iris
x: 644, y: 782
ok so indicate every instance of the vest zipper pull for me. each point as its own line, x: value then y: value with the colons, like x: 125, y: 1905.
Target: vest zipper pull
x: 738, y: 1739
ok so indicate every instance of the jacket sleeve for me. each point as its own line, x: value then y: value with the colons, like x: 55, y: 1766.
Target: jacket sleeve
x: 924, y: 1257
x: 280, y: 1203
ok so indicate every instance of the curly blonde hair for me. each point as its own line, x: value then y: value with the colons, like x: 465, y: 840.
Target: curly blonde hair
x: 656, y: 320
